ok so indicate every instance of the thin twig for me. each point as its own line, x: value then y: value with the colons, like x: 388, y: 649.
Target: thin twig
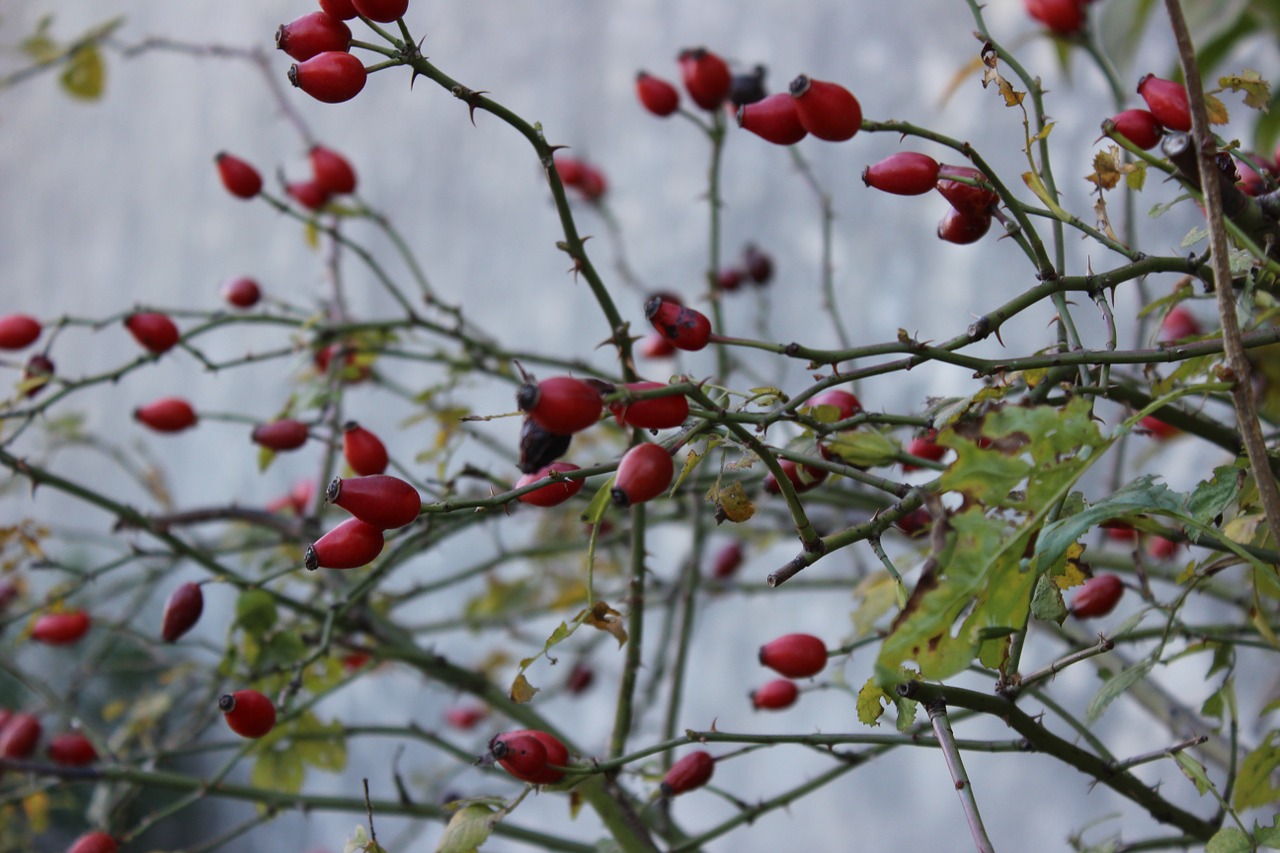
x: 947, y: 740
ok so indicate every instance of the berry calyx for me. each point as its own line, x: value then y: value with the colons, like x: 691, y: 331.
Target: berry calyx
x: 61, y: 629
x: 657, y: 95
x: 1097, y: 597
x: 1179, y: 323
x: 727, y: 561
x: 94, y: 842
x: 749, y: 87
x: 19, y: 735
x: 655, y: 413
x: 966, y: 197
x: 1139, y: 127
x: 552, y: 494
x: 311, y: 34
x: 382, y: 11
x: 384, y: 501
x: 555, y: 752
x: 684, y: 328
x: 350, y: 545
x: 156, y: 332
x: 168, y: 414
x: 1063, y: 17
x: 562, y: 404
x: 248, y: 713
x: 1167, y: 101
x: 692, y: 771
x: 795, y: 655
x: 644, y: 473
x: 181, y: 611
x: 903, y: 173
x: 332, y: 171
x: 242, y: 292
x: 706, y: 77
x: 364, y: 451
x: 71, y: 749
x: 309, y: 194
x: 774, y: 119
x: 827, y: 110
x: 538, y: 447
x: 18, y: 331
x: 284, y: 434
x: 775, y: 695
x: 239, y: 177
x: 331, y: 77
x: 963, y: 228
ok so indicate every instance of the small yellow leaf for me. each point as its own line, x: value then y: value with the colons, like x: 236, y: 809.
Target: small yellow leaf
x: 732, y: 503
x: 1106, y: 169
x: 1257, y: 92
x: 605, y: 618
x: 1216, y: 109
x: 521, y: 690
x: 85, y: 73
x: 36, y: 808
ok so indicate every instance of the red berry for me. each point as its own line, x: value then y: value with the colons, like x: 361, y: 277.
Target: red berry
x: 827, y: 110
x: 240, y: 178
x: 580, y: 678
x: 706, y: 77
x: 156, y: 332
x: 846, y: 405
x: 727, y: 561
x: 353, y: 661
x: 539, y: 448
x: 364, y: 451
x: 655, y: 345
x: 561, y: 405
x: 592, y: 184
x: 522, y: 756
x: 19, y: 736
x: 802, y: 477
x: 298, y: 499
x: 466, y: 717
x: 795, y: 655
x: 343, y: 10
x: 1158, y: 429
x: 61, y: 629
x: 384, y: 501
x: 168, y: 414
x: 315, y: 32
x: 382, y: 11
x: 1252, y: 182
x: 1097, y: 597
x: 94, y: 842
x: 1064, y: 17
x: 309, y: 194
x: 350, y: 545
x: 914, y: 522
x: 692, y: 771
x: 903, y: 173
x: 332, y: 171
x: 644, y: 473
x: 1167, y: 100
x: 242, y: 292
x: 657, y: 413
x: 552, y: 494
x: 72, y: 749
x: 18, y: 331
x: 758, y: 264
x: 1121, y: 531
x: 331, y: 77
x: 570, y: 169
x: 1179, y: 323
x: 729, y: 278
x: 775, y: 695
x: 657, y: 95
x: 683, y: 327
x: 963, y: 228
x: 1161, y: 548
x: 1139, y: 127
x: 925, y: 447
x: 36, y: 374
x: 966, y: 198
x: 774, y: 119
x: 352, y: 369
x: 554, y: 751
x: 182, y: 611
x: 284, y: 434
x: 248, y: 713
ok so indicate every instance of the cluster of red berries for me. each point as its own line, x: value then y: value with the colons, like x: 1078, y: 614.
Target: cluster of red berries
x: 377, y: 502
x: 331, y: 175
x: 20, y: 733
x: 793, y: 656
x: 965, y: 189
x: 754, y: 267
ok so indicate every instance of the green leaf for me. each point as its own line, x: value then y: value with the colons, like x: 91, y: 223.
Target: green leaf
x: 1212, y: 497
x: 469, y: 827
x: 1114, y: 689
x: 1194, y: 771
x: 1253, y: 784
x: 321, y: 746
x: 1267, y: 836
x: 1046, y: 601
x: 282, y: 650
x: 85, y: 75
x: 1229, y: 839
x: 864, y: 448
x: 599, y: 503
x: 256, y: 611
x: 1140, y: 496
x: 278, y: 770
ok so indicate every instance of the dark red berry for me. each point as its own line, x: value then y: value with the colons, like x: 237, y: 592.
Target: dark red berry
x: 561, y: 405
x: 795, y: 655
x: 966, y: 198
x: 18, y: 331
x: 846, y: 404
x: 242, y: 292
x: 657, y: 95
x: 1097, y: 597
x: 758, y: 264
x: 727, y: 561
x: 775, y: 695
x: 903, y: 173
x: 94, y: 842
x: 71, y: 749
x: 384, y: 501
x: 284, y: 434
x: 168, y: 414
x: 657, y: 413
x: 539, y: 448
x: 182, y: 611
x: 343, y: 10
x: 729, y: 279
x: 552, y: 494
x: 156, y: 332
x: 925, y: 447
x: 692, y: 771
x: 350, y: 545
x: 554, y: 752
x: 248, y: 713
x: 749, y: 87
x: 644, y: 473
x: 364, y: 451
x: 522, y: 756
x: 61, y: 629
x: 774, y: 119
x: 315, y: 32
x: 706, y: 77
x: 914, y: 522
x: 19, y: 736
x: 309, y: 194
x: 331, y: 77
x: 580, y: 679
x: 240, y: 178
x: 963, y: 228
x: 382, y: 11
x: 1179, y: 323
x: 1064, y: 17
x: 683, y: 327
x: 332, y: 171
x: 827, y: 110
x: 36, y: 374
x: 1167, y: 101
x: 1139, y: 127
x: 802, y: 477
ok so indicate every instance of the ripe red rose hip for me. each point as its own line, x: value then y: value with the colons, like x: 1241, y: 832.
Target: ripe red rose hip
x: 552, y: 494
x: 963, y: 228
x: 332, y: 171
x: 309, y: 194
x: 827, y: 110
x: 1158, y: 429
x: 561, y: 405
x: 36, y: 374
x: 903, y: 173
x: 644, y: 473
x: 1139, y: 127
x: 727, y: 561
x: 242, y: 292
x: 966, y: 198
x: 19, y: 735
x: 1167, y: 101
x: 343, y: 10
x: 773, y: 118
x: 692, y: 771
x: 331, y: 77
x: 1064, y: 17
x: 465, y: 717
x: 1097, y: 597
x: 382, y: 11
x: 156, y: 332
x: 775, y: 695
x: 1179, y: 323
x: 655, y: 345
x: 795, y: 655
x: 182, y: 611
x: 802, y: 477
x: 240, y: 178
x: 517, y: 757
x: 580, y: 678
x: 384, y: 501
x: 18, y: 331
x: 71, y: 749
x: 313, y: 33
x: 706, y: 77
x: 846, y: 404
x: 168, y: 414
x: 758, y: 263
x: 925, y: 447
x: 657, y: 413
x: 284, y: 434
x: 683, y: 327
x: 94, y: 842
x: 248, y: 713
x: 61, y: 629
x: 350, y: 545
x: 657, y: 95
x: 364, y: 451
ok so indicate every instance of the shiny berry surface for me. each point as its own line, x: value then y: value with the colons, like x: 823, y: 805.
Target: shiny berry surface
x: 773, y: 118
x: 249, y: 713
x: 554, y: 752
x: 827, y: 110
x: 1167, y: 101
x: 775, y: 695
x: 242, y: 292
x: 331, y: 77
x: 561, y: 405
x: 684, y: 328
x: 168, y: 414
x: 94, y: 842
x: 1139, y: 127
x: 903, y: 173
x: 1098, y: 597
x: 313, y: 33
x: 350, y: 545
x: 332, y: 171
x: 1063, y: 17
x: 384, y: 501
x: 690, y: 772
x: 284, y: 434
x: 71, y: 749
x: 552, y: 494
x: 795, y: 655
x: 963, y: 228
x: 644, y: 473
x: 240, y: 178
x: 656, y: 413
x: 154, y: 331
x: 382, y: 11
x: 657, y: 95
x: 364, y: 451
x: 61, y: 629
x: 965, y: 197
x: 181, y: 611
x: 706, y: 77
x: 18, y: 331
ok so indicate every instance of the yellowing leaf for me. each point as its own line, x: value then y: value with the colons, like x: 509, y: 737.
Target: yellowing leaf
x: 1216, y: 109
x: 605, y: 618
x: 36, y: 808
x: 1106, y: 169
x: 864, y: 448
x: 469, y: 827
x: 521, y: 690
x: 732, y: 503
x: 878, y: 594
x: 871, y: 702
x: 1257, y: 92
x: 85, y: 74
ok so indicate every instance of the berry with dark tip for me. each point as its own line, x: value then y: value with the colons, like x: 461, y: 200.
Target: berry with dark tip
x: 827, y: 110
